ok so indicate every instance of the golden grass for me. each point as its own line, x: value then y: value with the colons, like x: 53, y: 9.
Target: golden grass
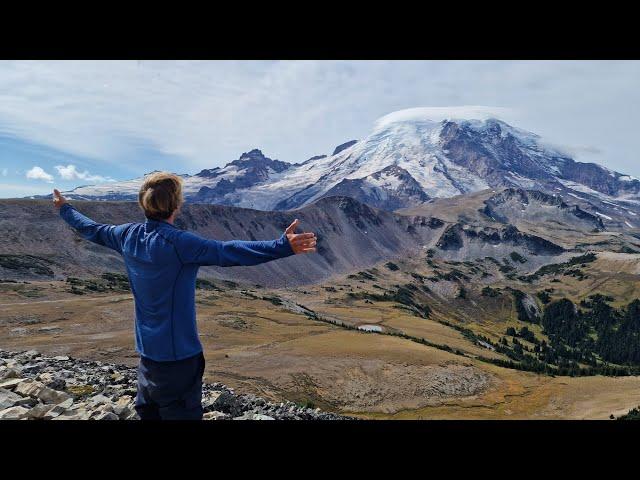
x: 258, y: 347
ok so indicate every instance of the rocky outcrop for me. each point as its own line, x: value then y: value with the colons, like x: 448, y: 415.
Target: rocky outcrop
x: 344, y: 146
x: 454, y: 236
x: 38, y: 387
x: 600, y: 179
x: 250, y: 169
x: 390, y: 189
x: 513, y: 204
x: 451, y: 238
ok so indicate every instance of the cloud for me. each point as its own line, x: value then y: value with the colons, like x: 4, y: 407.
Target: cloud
x: 18, y: 190
x: 437, y: 114
x: 70, y: 172
x: 193, y: 115
x: 5, y: 172
x: 576, y: 151
x: 37, y: 173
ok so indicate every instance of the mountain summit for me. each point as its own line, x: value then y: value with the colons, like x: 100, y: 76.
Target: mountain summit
x: 409, y: 157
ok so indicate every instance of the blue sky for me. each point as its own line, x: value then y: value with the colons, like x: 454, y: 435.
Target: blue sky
x: 69, y: 123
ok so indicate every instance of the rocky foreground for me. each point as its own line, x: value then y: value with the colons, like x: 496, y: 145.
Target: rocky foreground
x: 37, y: 387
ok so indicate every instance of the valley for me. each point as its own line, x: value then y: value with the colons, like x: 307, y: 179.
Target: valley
x: 303, y: 344
x: 465, y: 269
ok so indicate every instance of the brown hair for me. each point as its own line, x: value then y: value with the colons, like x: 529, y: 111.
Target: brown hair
x: 160, y: 195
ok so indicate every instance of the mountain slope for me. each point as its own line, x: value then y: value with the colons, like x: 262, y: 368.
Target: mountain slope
x: 409, y: 157
x: 351, y: 235
x: 38, y: 244
x: 569, y: 222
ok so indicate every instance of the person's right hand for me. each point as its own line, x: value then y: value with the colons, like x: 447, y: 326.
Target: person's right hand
x: 300, y: 242
x: 58, y: 199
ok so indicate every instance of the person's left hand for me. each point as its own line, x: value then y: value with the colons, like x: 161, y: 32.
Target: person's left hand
x: 58, y: 199
x: 300, y: 242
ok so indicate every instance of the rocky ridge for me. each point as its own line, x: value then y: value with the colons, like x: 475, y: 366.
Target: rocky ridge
x: 408, y: 158
x: 38, y: 387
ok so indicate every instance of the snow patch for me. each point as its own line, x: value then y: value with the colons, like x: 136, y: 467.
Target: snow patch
x: 370, y: 328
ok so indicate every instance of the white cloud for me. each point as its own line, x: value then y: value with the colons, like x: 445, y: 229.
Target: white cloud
x: 437, y: 114
x: 70, y: 172
x: 37, y: 173
x: 206, y: 113
x: 17, y: 190
x: 5, y: 172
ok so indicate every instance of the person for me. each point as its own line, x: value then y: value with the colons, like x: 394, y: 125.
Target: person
x: 162, y: 263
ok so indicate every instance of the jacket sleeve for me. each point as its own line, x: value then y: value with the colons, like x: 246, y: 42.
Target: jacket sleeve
x: 194, y: 249
x: 107, y: 235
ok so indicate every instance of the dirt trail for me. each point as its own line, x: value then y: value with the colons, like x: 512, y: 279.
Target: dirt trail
x: 62, y: 300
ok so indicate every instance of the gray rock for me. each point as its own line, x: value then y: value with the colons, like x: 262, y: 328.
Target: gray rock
x: 10, y: 372
x: 209, y: 400
x: 29, y: 387
x: 99, y: 399
x: 123, y: 406
x: 13, y: 413
x: 52, y: 411
x: 113, y: 388
x: 11, y: 383
x: 35, y: 389
x: 105, y: 416
x: 52, y: 381
x: 107, y: 407
x: 215, y: 416
x: 254, y: 416
x: 66, y: 404
x: 49, y: 329
x: 32, y: 367
x: 228, y: 403
x: 27, y: 402
x: 79, y: 414
x: 8, y: 399
x: 132, y: 416
x: 53, y: 396
x: 39, y: 411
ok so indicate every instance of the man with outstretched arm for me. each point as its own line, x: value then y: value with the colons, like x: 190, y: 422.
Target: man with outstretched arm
x: 162, y: 263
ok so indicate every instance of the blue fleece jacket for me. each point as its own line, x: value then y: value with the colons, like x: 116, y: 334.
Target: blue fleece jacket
x: 162, y: 262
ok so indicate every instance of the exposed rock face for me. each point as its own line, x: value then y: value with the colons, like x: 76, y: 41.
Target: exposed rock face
x: 491, y: 153
x: 451, y: 238
x: 600, y: 179
x: 250, y: 169
x: 390, y: 188
x: 514, y: 204
x: 87, y: 390
x: 461, y: 242
x: 344, y: 146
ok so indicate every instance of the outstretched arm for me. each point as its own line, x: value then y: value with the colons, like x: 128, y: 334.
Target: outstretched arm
x: 107, y: 235
x: 201, y: 251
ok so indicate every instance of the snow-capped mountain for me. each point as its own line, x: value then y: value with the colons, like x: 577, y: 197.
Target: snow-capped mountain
x: 409, y: 157
x: 208, y: 186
